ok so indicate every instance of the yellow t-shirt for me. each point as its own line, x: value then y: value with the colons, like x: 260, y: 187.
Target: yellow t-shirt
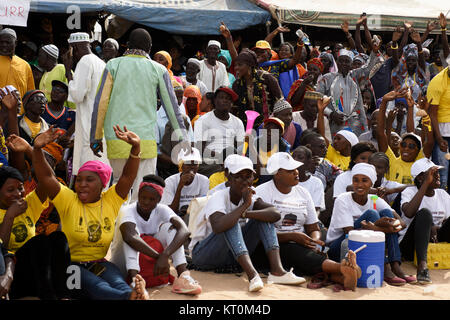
x: 23, y: 228
x: 439, y: 91
x: 337, y: 159
x: 216, y: 179
x: 399, y: 170
x: 34, y: 127
x: 100, y: 216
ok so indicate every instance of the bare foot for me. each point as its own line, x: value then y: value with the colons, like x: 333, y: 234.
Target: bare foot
x: 141, y: 291
x: 350, y: 271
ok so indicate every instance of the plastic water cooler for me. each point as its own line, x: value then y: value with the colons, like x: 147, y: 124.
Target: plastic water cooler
x: 371, y: 258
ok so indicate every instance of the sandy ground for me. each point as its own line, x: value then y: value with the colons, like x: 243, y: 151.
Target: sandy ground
x: 235, y: 287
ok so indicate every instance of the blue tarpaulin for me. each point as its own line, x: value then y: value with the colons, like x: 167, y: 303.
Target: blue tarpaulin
x: 195, y: 17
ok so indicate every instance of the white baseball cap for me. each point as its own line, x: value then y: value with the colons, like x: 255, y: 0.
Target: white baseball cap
x: 282, y: 160
x: 236, y: 163
x: 187, y: 156
x: 422, y: 165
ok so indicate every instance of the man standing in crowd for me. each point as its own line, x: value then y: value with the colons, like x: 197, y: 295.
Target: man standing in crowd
x: 14, y: 71
x: 82, y: 88
x: 128, y: 96
x: 213, y: 73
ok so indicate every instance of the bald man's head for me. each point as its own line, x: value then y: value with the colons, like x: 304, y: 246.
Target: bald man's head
x: 140, y: 39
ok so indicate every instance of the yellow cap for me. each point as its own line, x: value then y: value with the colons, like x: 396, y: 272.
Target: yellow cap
x: 262, y: 44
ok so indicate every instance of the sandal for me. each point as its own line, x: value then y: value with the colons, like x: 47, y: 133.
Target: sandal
x: 318, y: 281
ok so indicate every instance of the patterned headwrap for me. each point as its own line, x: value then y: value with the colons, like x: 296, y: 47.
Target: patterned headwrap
x: 317, y: 62
x: 192, y: 91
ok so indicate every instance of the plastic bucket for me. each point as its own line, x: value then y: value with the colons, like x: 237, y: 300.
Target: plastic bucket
x: 371, y: 258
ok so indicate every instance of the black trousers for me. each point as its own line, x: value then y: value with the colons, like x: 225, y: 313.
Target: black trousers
x: 41, y: 268
x: 304, y: 261
x: 417, y: 236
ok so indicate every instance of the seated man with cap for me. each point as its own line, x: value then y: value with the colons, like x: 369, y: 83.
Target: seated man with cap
x: 182, y: 187
x: 232, y: 224
x: 298, y: 230
x: 213, y: 73
x: 14, y: 71
x: 192, y: 70
x: 292, y: 130
x: 219, y: 129
x: 48, y: 61
x: 346, y: 108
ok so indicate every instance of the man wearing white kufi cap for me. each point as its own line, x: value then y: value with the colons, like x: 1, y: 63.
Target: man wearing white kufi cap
x: 48, y: 61
x: 213, y: 73
x: 82, y: 89
x: 182, y: 187
x: 14, y: 71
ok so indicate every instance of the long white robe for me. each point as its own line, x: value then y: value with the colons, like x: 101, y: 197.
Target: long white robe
x: 82, y: 90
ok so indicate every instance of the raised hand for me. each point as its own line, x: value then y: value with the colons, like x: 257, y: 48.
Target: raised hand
x: 282, y: 29
x: 407, y: 25
x: 322, y: 103
x: 46, y: 137
x: 362, y: 20
x: 344, y: 26
x: 128, y: 136
x: 9, y: 100
x: 17, y: 144
x: 415, y: 36
x: 224, y: 30
x: 442, y: 21
x: 397, y: 34
x: 431, y: 25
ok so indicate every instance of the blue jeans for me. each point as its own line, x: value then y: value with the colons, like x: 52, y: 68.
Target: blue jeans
x: 110, y: 285
x: 223, y: 249
x: 439, y: 159
x: 392, y: 246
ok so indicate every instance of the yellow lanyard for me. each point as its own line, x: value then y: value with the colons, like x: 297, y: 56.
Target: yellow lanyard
x: 406, y: 80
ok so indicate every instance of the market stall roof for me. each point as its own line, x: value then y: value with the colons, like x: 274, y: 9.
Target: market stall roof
x: 382, y: 15
x: 195, y: 17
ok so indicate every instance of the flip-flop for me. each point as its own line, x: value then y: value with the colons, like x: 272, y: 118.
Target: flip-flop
x: 318, y: 281
x: 410, y: 279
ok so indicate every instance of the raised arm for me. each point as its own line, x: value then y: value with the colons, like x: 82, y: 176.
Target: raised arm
x: 396, y: 35
x: 407, y: 29
x: 321, y: 105
x: 415, y: 36
x: 275, y: 32
x: 382, y: 138
x: 358, y: 44
x: 296, y: 59
x: 229, y: 39
x: 431, y: 25
x: 131, y: 167
x: 443, y: 24
x: 348, y: 35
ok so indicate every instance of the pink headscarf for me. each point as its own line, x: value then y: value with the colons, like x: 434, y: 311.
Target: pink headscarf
x: 102, y: 169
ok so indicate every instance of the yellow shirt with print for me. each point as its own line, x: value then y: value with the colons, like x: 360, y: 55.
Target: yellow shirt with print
x: 99, y: 217
x: 439, y: 91
x: 337, y: 159
x: 23, y: 228
x: 399, y: 170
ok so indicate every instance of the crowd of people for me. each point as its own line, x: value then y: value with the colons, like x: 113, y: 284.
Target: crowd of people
x: 259, y: 160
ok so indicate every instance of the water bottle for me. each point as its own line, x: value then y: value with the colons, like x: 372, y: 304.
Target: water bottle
x: 344, y: 247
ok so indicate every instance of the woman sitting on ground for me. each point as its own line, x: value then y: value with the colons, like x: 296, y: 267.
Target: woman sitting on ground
x: 359, y: 210
x: 146, y: 220
x: 88, y: 215
x: 221, y: 230
x: 426, y: 211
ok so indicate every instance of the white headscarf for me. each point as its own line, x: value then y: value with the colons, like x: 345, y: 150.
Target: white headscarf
x: 366, y: 170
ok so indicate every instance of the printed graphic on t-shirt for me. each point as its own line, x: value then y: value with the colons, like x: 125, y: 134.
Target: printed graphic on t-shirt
x: 20, y: 232
x: 293, y: 215
x: 94, y: 231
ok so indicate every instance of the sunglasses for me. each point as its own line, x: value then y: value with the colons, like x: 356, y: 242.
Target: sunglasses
x: 411, y: 146
x: 39, y: 100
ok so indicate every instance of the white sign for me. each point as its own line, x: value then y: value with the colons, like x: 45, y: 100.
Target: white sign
x: 14, y: 12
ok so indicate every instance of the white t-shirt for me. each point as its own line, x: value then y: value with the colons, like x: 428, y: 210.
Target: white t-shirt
x: 218, y: 187
x: 219, y: 202
x: 390, y: 185
x: 199, y: 187
x: 346, y: 211
x: 315, y: 189
x: 213, y: 76
x: 296, y: 208
x: 439, y: 206
x: 199, y: 84
x: 342, y: 181
x: 218, y: 134
x: 161, y: 214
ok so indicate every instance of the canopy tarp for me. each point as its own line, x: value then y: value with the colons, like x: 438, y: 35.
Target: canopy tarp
x: 382, y: 15
x: 195, y: 17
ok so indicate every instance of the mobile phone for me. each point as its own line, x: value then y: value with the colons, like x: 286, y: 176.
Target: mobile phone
x: 96, y: 268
